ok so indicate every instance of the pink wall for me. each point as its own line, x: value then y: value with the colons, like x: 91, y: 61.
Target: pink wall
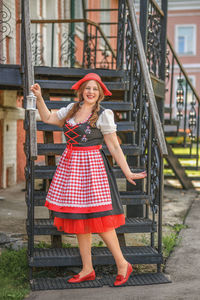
x: 184, y: 17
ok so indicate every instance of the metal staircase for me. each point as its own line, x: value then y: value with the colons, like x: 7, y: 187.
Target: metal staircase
x: 182, y: 124
x: 138, y: 113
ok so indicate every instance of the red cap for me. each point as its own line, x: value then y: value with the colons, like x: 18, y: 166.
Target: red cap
x: 92, y: 76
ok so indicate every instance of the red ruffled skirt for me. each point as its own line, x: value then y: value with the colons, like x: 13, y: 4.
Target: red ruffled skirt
x: 93, y: 225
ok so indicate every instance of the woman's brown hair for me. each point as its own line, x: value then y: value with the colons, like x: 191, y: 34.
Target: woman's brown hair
x: 94, y: 116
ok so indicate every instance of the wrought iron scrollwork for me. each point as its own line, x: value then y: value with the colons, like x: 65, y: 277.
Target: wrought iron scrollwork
x: 192, y: 119
x: 96, y: 52
x: 120, y: 36
x: 90, y: 49
x: 105, y: 64
x: 180, y: 98
x: 167, y: 67
x: 144, y: 133
x: 37, y: 50
x: 154, y: 41
x: 68, y: 50
x: 133, y: 68
x: 150, y: 155
x: 129, y: 42
x: 155, y: 178
x: 5, y: 28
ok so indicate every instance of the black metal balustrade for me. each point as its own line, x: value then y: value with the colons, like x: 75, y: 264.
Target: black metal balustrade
x: 184, y: 104
x: 141, y: 95
x: 71, y: 46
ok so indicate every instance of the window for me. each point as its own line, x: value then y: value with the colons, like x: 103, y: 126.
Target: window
x: 186, y: 39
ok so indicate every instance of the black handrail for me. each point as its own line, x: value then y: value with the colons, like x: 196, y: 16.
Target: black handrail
x: 188, y: 123
x: 183, y: 70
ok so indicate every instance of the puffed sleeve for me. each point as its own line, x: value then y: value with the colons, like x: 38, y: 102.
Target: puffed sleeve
x: 61, y: 113
x: 106, y: 122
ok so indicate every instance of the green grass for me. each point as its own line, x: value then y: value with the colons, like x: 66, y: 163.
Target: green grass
x: 171, y: 240
x: 13, y: 275
x: 14, y: 282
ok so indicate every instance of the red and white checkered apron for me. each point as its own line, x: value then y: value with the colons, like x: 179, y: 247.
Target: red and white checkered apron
x: 80, y: 183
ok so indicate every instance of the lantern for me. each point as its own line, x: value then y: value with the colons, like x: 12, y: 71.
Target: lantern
x: 31, y: 101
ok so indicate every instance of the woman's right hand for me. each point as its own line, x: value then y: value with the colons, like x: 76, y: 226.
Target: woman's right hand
x: 36, y: 89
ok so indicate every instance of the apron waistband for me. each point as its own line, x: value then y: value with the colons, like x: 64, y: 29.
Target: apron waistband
x: 74, y: 148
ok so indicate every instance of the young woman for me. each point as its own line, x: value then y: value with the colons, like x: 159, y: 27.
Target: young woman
x: 83, y: 193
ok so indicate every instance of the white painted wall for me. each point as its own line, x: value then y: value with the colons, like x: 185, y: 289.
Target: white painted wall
x: 9, y: 152
x: 9, y: 113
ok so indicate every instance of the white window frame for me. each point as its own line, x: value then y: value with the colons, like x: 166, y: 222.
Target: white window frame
x: 194, y: 41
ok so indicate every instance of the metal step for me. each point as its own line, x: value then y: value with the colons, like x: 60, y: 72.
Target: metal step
x: 171, y: 122
x: 174, y: 144
x: 11, y: 74
x: 77, y: 73
x: 191, y: 168
x: 67, y: 84
x: 114, y: 105
x: 192, y: 178
x: 47, y: 172
x: 59, y: 283
x: 167, y: 109
x: 173, y: 133
x: 57, y: 149
x: 100, y: 256
x: 127, y: 198
x: 132, y: 225
x: 121, y: 126
x: 187, y: 156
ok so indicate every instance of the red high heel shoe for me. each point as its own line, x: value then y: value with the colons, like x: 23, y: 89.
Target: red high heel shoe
x: 76, y: 278
x: 120, y: 279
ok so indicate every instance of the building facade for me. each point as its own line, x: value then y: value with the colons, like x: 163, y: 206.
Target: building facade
x: 184, y: 34
x: 50, y: 47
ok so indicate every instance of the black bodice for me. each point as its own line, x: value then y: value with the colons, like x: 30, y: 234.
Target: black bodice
x: 82, y: 134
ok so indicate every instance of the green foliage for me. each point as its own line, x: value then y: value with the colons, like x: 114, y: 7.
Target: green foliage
x: 13, y: 275
x: 169, y: 242
x: 67, y: 245
x: 172, y: 240
x: 99, y: 244
x: 177, y: 227
x: 46, y: 245
x: 42, y: 244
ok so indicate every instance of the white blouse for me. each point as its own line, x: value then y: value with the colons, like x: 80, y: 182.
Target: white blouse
x: 105, y: 121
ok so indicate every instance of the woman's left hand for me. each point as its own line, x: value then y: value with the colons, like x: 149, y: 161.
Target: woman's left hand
x: 131, y: 176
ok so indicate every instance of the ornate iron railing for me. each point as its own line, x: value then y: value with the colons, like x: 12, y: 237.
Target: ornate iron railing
x: 131, y: 57
x: 70, y: 45
x: 5, y: 29
x: 184, y: 103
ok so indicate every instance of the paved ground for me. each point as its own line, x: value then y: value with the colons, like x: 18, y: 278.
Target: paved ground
x: 183, y: 265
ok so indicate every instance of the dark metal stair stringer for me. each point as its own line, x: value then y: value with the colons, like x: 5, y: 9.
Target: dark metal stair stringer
x: 178, y: 169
